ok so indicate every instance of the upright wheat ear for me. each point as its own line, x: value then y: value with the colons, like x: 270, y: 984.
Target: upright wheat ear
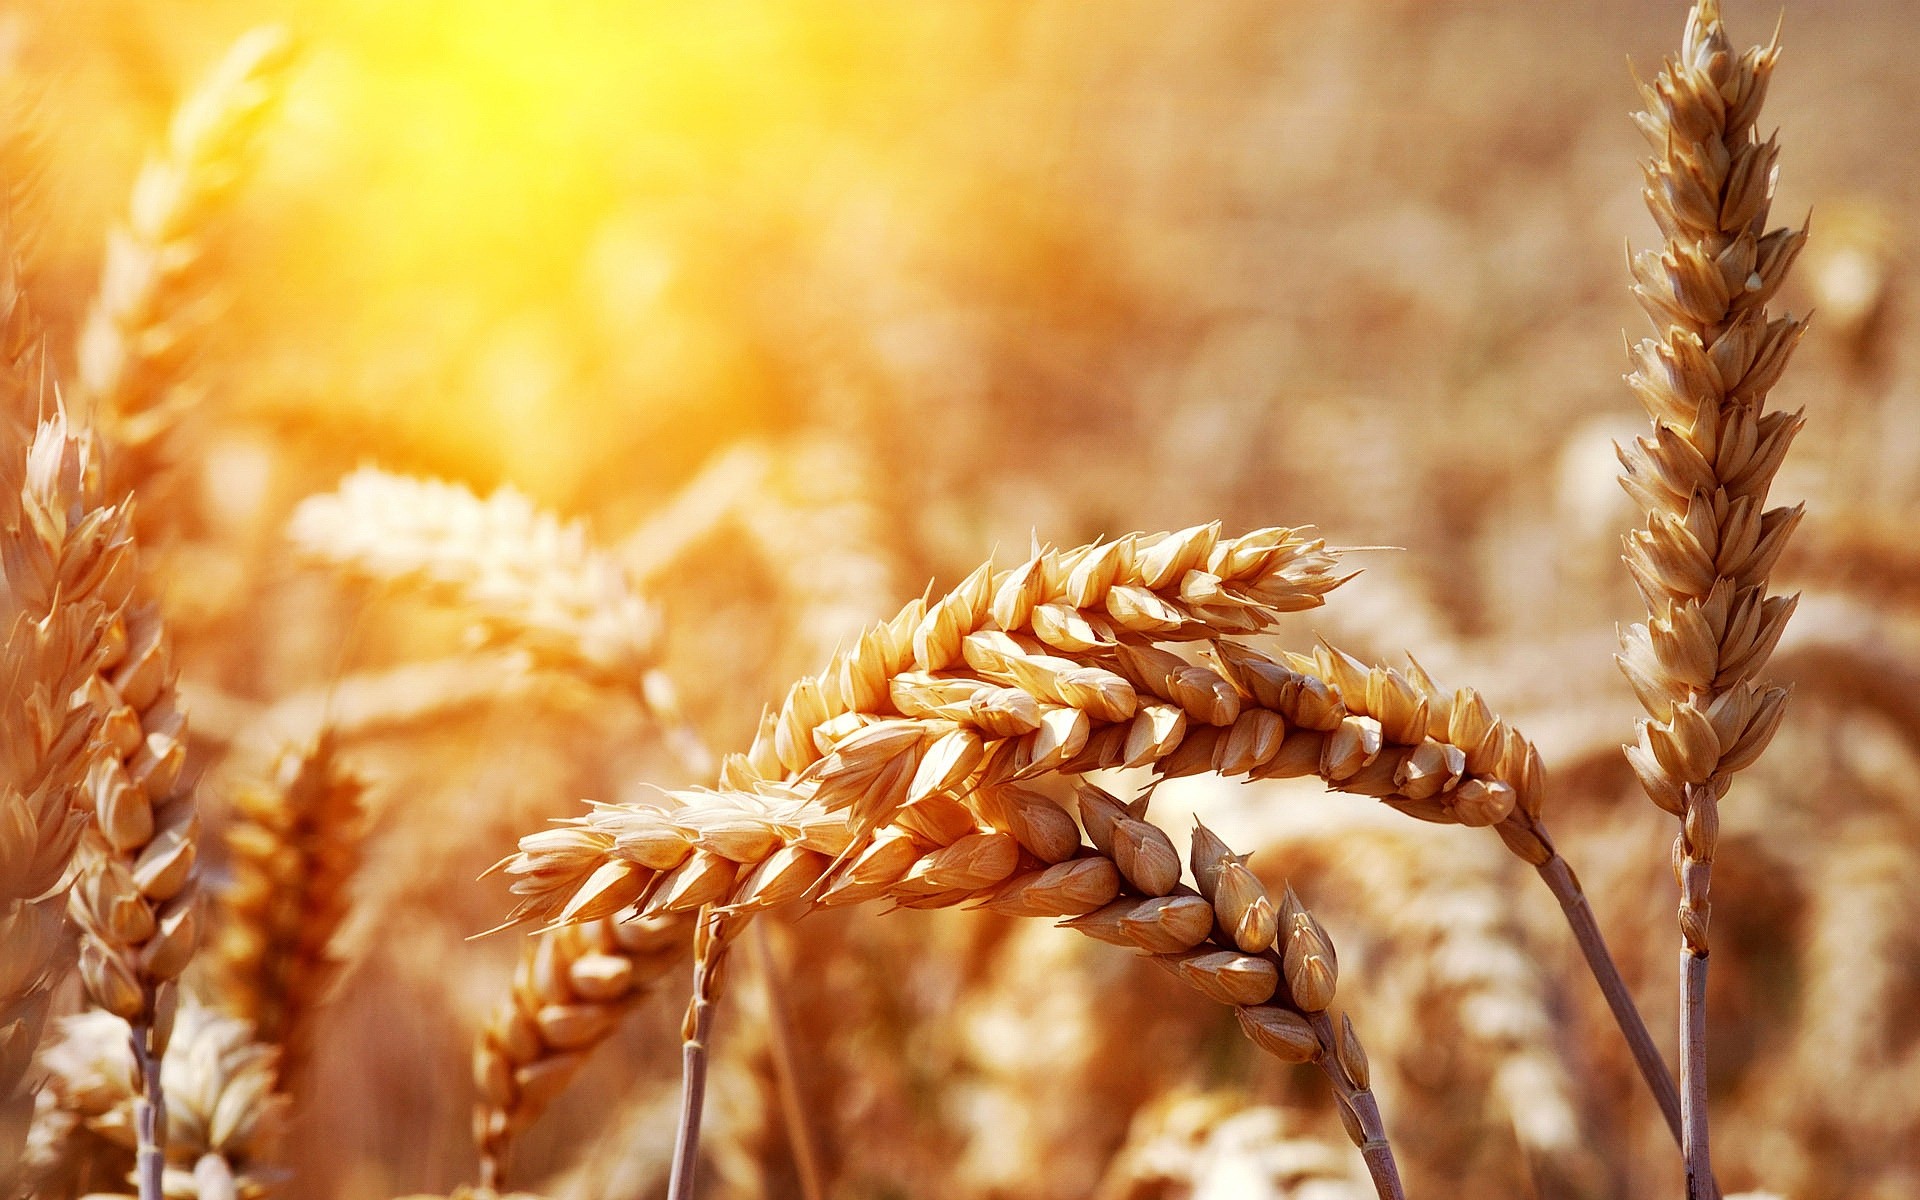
x: 152, y: 311
x: 1709, y: 543
x: 294, y: 842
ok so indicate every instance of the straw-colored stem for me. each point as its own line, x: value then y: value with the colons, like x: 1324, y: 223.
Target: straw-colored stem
x: 1693, y: 1068
x: 150, y: 1115
x: 1359, y: 1101
x: 709, y: 953
x: 1566, y: 888
x: 786, y: 1075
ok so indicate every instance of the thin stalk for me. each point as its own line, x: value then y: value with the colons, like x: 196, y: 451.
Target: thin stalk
x: 786, y: 1076
x: 1693, y: 1064
x: 149, y: 1115
x: 710, y: 950
x: 1365, y: 1110
x: 1586, y: 931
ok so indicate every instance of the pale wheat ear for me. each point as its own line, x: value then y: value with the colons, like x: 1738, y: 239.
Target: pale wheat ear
x: 227, y: 1112
x: 532, y: 581
x: 571, y: 989
x: 153, y: 308
x: 1704, y: 555
x: 293, y: 844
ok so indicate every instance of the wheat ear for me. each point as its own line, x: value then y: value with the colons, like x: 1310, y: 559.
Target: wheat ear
x: 225, y: 1111
x: 293, y: 843
x: 149, y: 318
x: 1703, y: 557
x: 1014, y: 851
x: 571, y: 989
x: 49, y: 742
x: 65, y: 576
x: 532, y: 581
x: 135, y: 897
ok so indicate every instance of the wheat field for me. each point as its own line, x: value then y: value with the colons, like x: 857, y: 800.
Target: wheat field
x: 959, y: 601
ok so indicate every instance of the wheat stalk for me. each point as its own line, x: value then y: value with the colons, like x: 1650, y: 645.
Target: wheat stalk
x: 1704, y: 555
x: 148, y: 319
x: 570, y: 990
x: 293, y: 845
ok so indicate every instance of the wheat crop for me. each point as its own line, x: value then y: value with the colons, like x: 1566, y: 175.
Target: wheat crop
x: 637, y: 504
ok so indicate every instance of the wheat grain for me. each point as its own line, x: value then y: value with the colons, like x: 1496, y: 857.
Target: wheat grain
x: 1703, y: 558
x: 151, y: 313
x: 293, y: 845
x: 135, y: 897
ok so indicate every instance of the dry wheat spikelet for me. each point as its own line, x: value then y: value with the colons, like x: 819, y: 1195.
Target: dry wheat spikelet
x: 65, y: 575
x: 1457, y: 974
x: 149, y: 318
x: 570, y: 991
x: 294, y: 845
x: 225, y: 1112
x: 1260, y: 719
x: 67, y: 569
x: 49, y: 734
x: 1703, y: 558
x: 135, y: 898
x: 532, y: 581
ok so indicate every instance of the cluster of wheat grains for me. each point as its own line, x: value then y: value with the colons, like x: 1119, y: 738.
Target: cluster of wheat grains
x: 1703, y: 558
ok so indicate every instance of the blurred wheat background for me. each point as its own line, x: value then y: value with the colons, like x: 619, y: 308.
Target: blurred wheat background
x: 802, y: 307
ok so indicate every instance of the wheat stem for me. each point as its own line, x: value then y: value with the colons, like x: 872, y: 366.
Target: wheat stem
x: 1693, y: 1063
x: 1357, y: 1101
x: 709, y: 954
x: 150, y: 1114
x: 1560, y: 879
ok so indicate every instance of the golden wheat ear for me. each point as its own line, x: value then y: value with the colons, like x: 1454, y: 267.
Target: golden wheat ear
x: 1703, y: 557
x: 293, y: 844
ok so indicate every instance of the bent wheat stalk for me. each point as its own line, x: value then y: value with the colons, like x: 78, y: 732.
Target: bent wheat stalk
x: 1703, y: 557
